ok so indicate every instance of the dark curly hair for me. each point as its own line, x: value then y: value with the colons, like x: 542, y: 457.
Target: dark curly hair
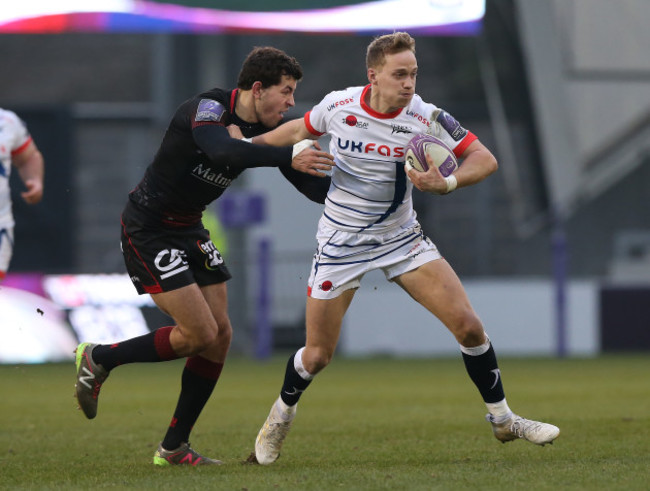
x: 267, y: 65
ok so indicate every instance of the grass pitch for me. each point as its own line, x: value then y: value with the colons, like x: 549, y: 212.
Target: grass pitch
x: 363, y: 424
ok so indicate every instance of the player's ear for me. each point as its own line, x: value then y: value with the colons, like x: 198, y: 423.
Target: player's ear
x: 257, y: 89
x: 372, y: 75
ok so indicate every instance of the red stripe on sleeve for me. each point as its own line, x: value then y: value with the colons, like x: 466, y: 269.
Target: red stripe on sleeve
x: 310, y: 128
x: 462, y: 146
x: 22, y: 147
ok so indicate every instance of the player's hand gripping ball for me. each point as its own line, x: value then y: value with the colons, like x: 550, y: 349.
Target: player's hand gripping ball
x: 443, y: 156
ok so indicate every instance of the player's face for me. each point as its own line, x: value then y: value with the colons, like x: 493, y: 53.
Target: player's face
x: 393, y: 84
x: 274, y: 101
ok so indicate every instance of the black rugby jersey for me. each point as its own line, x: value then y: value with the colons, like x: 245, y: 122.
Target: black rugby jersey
x: 197, y: 160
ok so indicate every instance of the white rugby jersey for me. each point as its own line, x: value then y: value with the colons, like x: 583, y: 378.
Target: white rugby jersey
x: 14, y: 138
x: 369, y: 190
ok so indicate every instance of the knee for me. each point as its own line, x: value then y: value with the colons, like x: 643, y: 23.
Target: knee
x: 224, y: 337
x: 315, y: 359
x: 202, y: 340
x: 468, y: 329
x: 219, y: 337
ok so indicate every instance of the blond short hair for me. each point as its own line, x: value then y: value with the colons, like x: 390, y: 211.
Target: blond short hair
x: 388, y: 44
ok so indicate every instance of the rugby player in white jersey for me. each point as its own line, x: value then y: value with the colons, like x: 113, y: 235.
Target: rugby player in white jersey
x: 369, y: 223
x: 17, y: 149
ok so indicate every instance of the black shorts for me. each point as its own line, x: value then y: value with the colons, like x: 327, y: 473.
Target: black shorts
x: 160, y: 259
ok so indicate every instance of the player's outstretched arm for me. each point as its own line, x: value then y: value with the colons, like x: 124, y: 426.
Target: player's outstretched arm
x: 216, y: 143
x: 285, y: 134
x: 307, y: 158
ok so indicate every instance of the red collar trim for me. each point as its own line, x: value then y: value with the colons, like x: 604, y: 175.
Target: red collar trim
x: 233, y: 100
x: 371, y: 111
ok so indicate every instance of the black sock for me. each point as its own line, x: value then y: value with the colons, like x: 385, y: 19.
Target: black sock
x: 294, y: 385
x: 197, y: 383
x: 485, y: 373
x: 148, y: 348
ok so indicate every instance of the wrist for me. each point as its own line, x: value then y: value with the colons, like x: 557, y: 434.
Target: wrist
x: 247, y: 140
x: 300, y: 146
x: 452, y: 183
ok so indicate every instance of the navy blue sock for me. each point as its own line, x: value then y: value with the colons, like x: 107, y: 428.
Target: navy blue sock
x: 294, y: 385
x: 485, y: 373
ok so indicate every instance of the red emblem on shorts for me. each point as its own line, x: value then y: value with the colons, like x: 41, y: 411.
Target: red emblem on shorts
x: 326, y: 286
x: 351, y: 120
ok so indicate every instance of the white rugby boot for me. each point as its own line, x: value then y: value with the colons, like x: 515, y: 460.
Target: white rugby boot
x: 271, y: 436
x: 515, y: 427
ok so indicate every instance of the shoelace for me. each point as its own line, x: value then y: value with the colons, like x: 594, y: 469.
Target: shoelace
x: 523, y: 425
x: 281, y: 425
x: 281, y: 428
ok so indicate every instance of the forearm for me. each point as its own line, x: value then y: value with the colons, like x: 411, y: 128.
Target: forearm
x: 30, y: 165
x: 284, y: 135
x: 221, y: 149
x: 475, y: 167
x: 478, y: 163
x: 31, y: 170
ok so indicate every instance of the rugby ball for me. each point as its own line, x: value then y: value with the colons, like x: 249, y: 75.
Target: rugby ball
x: 442, y: 156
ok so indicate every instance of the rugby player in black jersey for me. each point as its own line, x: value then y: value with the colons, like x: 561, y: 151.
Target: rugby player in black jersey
x: 169, y: 254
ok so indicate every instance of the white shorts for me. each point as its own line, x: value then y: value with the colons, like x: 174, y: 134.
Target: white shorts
x: 6, y: 248
x: 342, y: 258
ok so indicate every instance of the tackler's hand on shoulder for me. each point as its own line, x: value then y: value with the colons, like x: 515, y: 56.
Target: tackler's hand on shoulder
x: 310, y: 159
